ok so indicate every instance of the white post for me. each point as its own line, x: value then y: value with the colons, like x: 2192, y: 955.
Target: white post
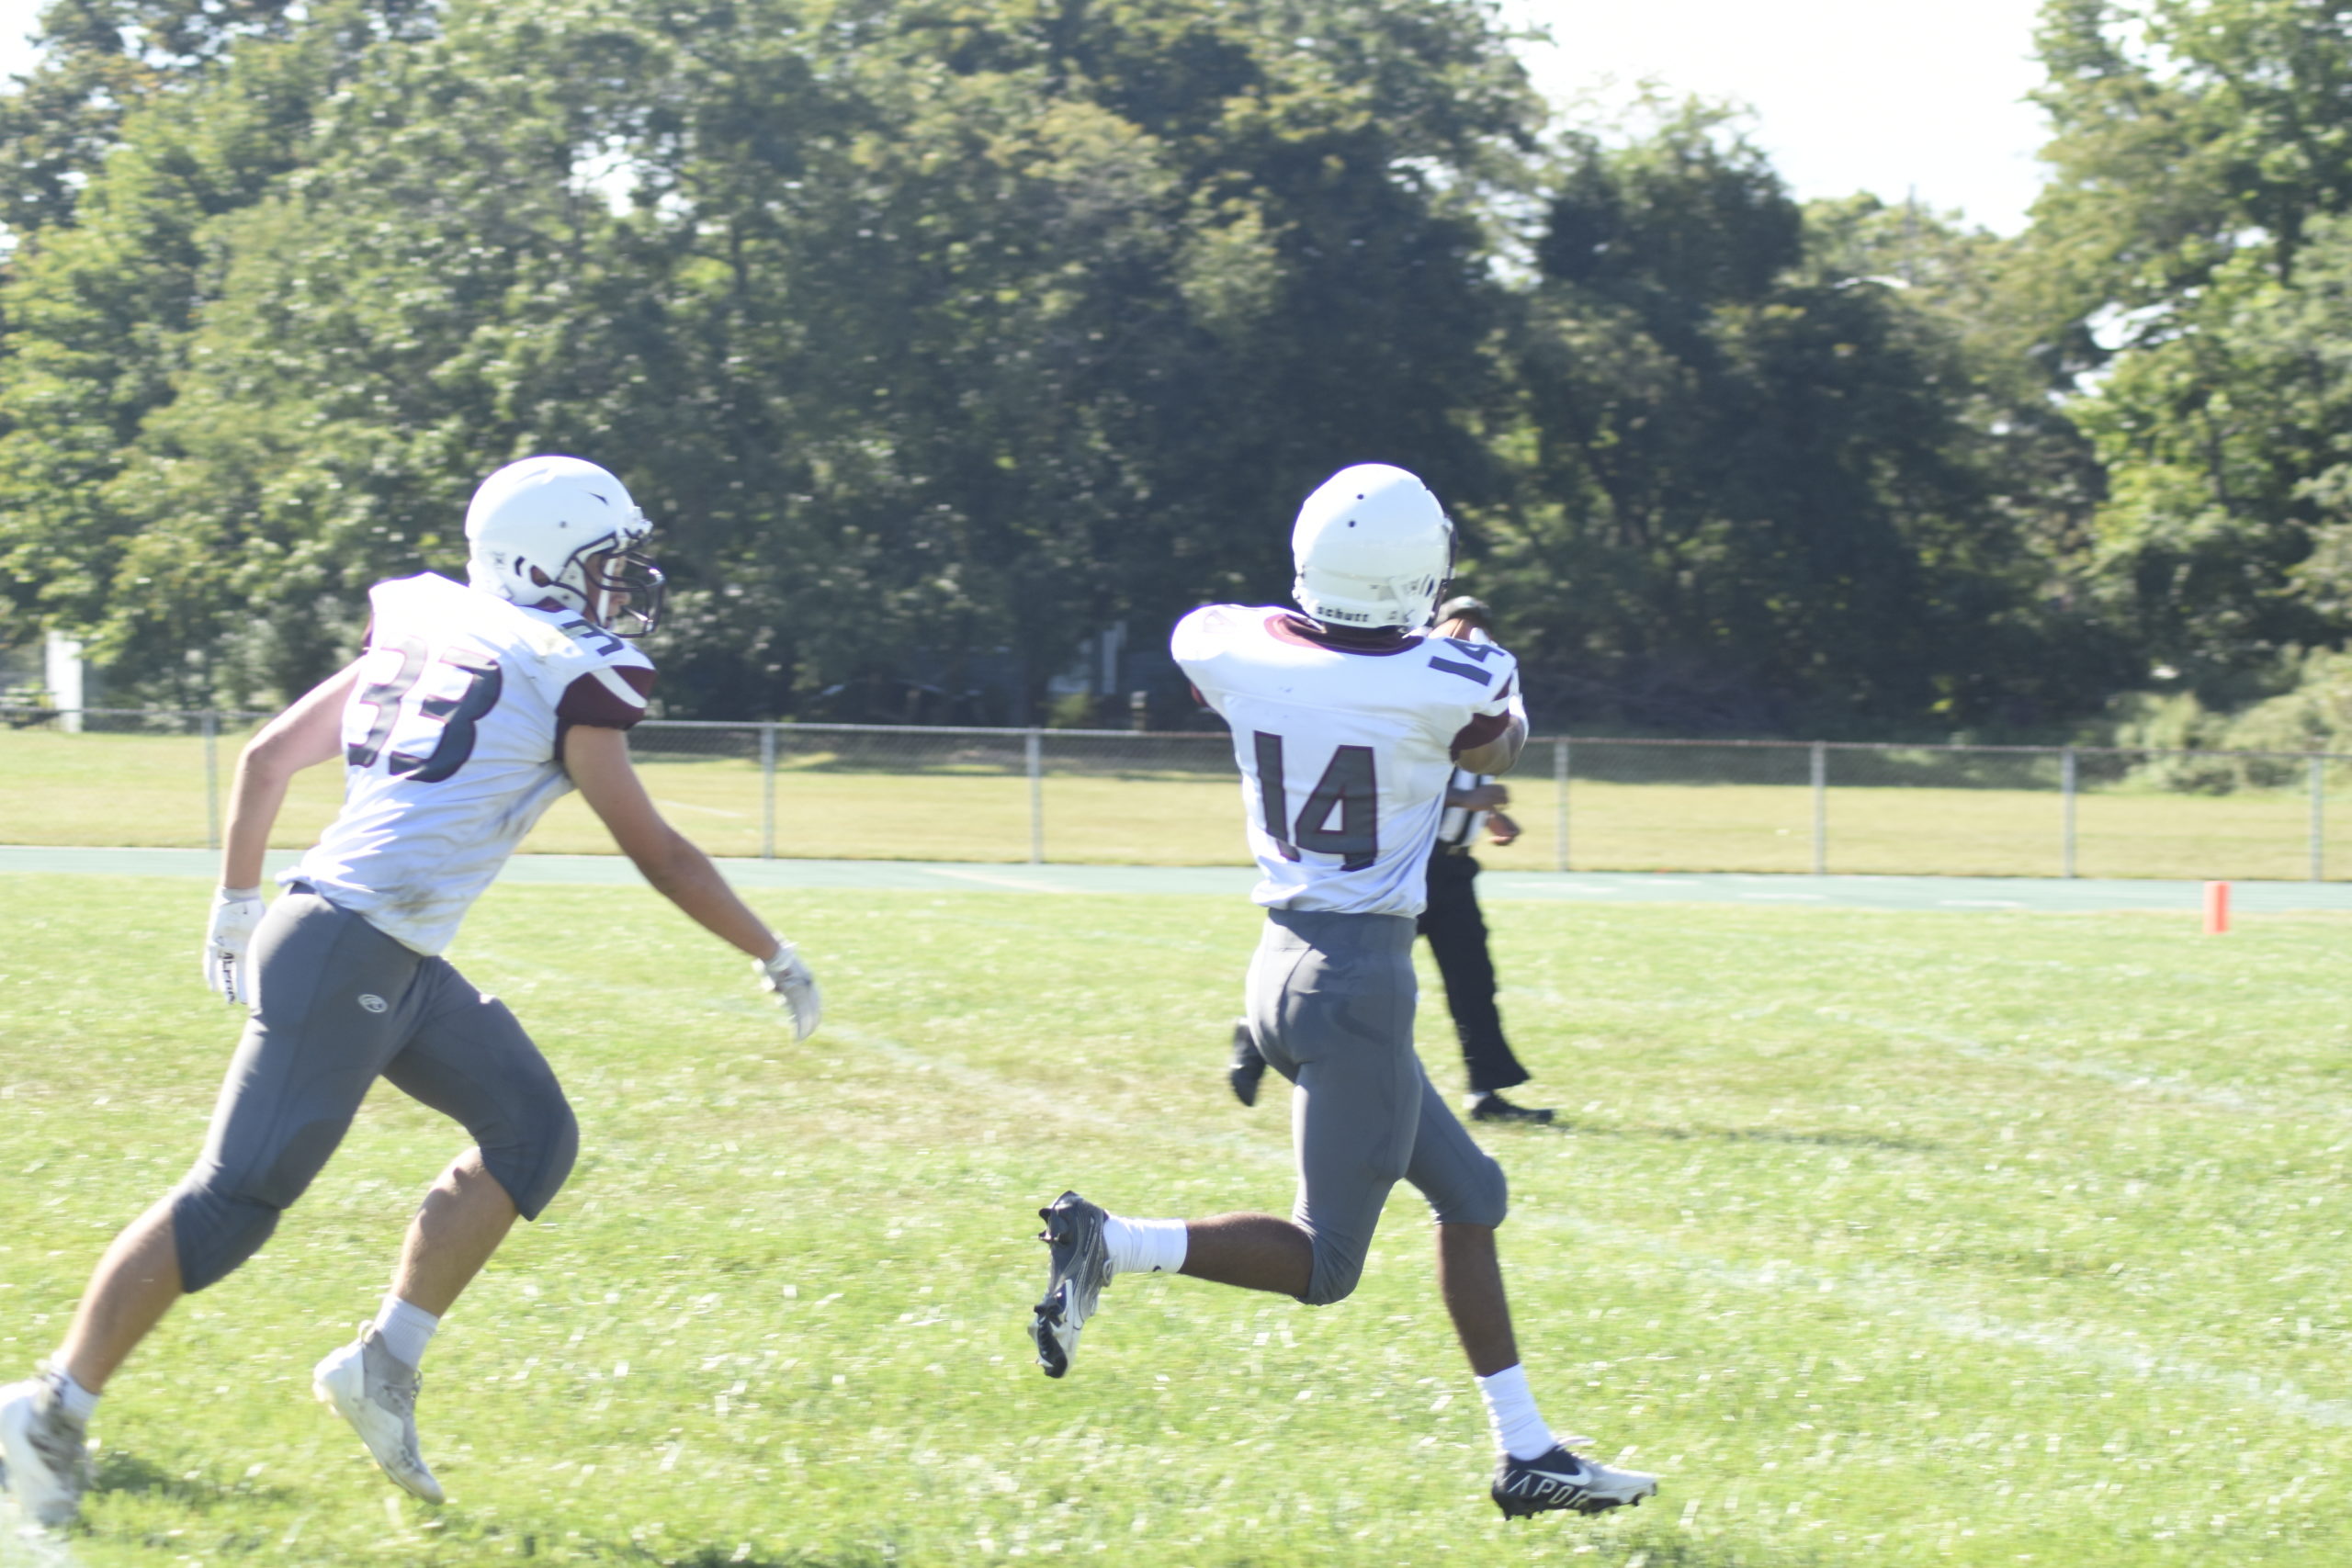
x: 1560, y: 801
x: 61, y: 673
x: 211, y: 779
x: 2067, y: 787
x: 2319, y: 817
x: 1036, y: 759
x: 768, y: 792
x: 1820, y: 808
x: 1114, y: 643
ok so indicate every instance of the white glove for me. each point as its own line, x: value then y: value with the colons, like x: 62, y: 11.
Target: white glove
x: 795, y: 988
x: 235, y: 912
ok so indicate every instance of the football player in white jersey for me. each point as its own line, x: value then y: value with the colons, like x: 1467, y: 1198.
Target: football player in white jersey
x: 473, y: 707
x: 1347, y: 722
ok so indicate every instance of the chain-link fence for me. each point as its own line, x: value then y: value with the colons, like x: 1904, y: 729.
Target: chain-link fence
x: 1815, y: 806
x: 119, y: 776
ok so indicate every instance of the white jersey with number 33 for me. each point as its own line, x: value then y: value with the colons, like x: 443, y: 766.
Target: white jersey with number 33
x: 453, y: 748
x: 1345, y: 753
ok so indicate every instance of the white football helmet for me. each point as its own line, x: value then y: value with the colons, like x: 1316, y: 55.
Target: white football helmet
x: 532, y: 527
x: 1372, y: 548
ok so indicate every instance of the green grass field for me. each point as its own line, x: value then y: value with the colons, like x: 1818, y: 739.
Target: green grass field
x: 1934, y: 1239
x: 149, y: 789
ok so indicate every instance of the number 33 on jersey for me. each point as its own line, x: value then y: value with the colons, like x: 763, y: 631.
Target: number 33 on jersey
x: 452, y: 746
x: 1345, y: 755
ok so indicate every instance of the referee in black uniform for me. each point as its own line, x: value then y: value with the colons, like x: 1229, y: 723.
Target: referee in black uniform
x: 1452, y: 920
x: 1456, y: 930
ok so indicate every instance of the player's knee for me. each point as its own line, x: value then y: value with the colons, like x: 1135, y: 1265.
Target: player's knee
x: 222, y: 1213
x: 1483, y: 1200
x: 1335, y: 1276
x: 533, y: 1167
x: 215, y: 1231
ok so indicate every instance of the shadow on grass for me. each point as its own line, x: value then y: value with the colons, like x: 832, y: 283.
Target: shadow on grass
x: 725, y: 1557
x: 1669, y: 1547
x: 1665, y: 1550
x: 2034, y: 1263
x: 508, y: 1541
x: 722, y: 1557
x: 128, y: 1474
x: 1825, y: 1140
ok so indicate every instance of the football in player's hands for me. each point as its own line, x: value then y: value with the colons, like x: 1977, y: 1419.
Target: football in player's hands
x: 786, y: 977
x: 235, y: 912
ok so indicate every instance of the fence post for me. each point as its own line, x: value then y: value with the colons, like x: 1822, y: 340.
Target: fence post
x: 1035, y: 750
x: 2067, y: 785
x: 1560, y: 800
x: 2319, y: 817
x: 1820, y: 808
x: 767, y: 791
x: 211, y: 722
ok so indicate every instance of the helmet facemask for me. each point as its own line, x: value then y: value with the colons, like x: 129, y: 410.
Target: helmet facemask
x: 625, y: 590
x: 609, y: 583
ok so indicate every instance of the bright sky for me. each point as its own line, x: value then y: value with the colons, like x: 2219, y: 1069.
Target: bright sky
x: 16, y: 19
x: 1885, y: 95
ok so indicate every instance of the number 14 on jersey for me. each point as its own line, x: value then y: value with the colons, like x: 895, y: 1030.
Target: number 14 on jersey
x: 1349, y: 790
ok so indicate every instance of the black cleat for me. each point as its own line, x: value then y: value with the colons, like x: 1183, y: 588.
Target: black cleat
x: 1248, y: 1065
x: 1493, y: 1107
x: 1080, y: 1267
x: 1562, y: 1480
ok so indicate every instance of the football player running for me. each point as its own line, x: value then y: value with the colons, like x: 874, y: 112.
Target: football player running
x: 473, y: 709
x: 1347, y: 722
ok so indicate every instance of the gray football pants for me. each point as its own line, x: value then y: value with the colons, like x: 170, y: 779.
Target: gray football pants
x: 1330, y: 1001
x: 339, y: 1004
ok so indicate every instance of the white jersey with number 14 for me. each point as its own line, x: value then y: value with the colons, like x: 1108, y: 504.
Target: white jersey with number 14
x: 1345, y: 755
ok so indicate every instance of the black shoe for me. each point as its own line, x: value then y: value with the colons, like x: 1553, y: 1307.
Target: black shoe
x: 1493, y: 1107
x: 1249, y: 1066
x: 1562, y: 1480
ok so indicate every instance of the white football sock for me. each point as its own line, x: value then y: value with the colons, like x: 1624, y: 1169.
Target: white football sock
x: 1510, y: 1410
x: 1144, y: 1246
x: 405, y: 1330
x: 79, y: 1401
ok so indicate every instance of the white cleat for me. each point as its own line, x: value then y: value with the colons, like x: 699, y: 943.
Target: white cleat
x: 375, y: 1392
x: 1561, y: 1478
x: 45, y: 1453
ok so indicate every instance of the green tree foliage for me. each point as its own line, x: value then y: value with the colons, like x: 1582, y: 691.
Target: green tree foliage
x: 2190, y: 250
x: 2225, y: 539
x: 951, y: 327
x: 2186, y: 132
x: 100, y: 61
x: 101, y: 314
x: 936, y: 334
x: 1766, y: 466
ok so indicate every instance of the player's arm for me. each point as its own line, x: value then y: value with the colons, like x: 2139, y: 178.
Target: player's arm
x: 1483, y: 747
x: 1491, y: 742
x: 308, y: 733
x: 598, y: 761
x: 1479, y: 797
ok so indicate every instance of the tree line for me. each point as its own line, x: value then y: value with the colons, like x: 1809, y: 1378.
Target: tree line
x: 937, y: 333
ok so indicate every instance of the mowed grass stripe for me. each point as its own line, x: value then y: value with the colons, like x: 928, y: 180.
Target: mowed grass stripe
x: 1890, y: 1238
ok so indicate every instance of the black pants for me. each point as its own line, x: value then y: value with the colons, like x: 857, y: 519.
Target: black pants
x: 1457, y: 934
